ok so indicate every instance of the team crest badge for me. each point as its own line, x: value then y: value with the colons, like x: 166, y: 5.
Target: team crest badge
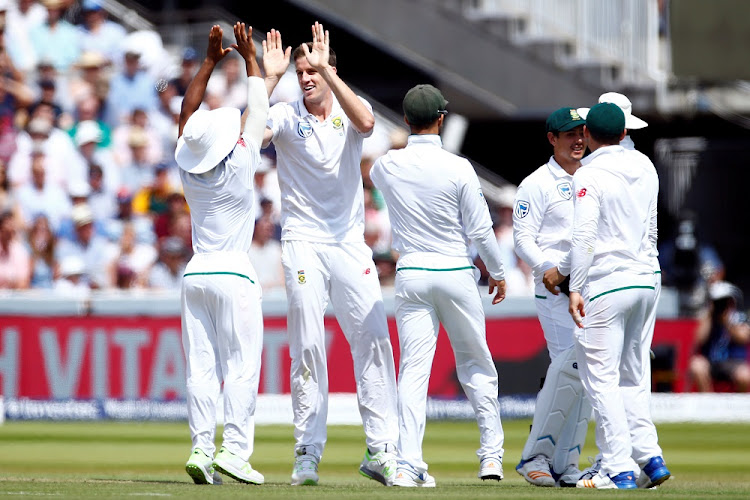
x: 338, y: 123
x: 304, y: 130
x: 565, y: 190
x: 301, y: 277
x: 522, y: 209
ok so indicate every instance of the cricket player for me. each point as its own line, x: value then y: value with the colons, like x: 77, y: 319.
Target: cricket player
x: 435, y: 204
x: 222, y: 324
x: 542, y: 223
x: 612, y: 297
x: 318, y: 142
x: 632, y: 122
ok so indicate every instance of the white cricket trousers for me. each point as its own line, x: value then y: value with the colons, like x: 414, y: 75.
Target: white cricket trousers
x: 613, y: 358
x: 424, y: 299
x: 555, y: 320
x: 222, y: 336
x: 345, y: 273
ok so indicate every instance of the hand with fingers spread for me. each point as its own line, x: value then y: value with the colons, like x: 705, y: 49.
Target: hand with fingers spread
x: 275, y: 58
x: 318, y: 56
x: 215, y: 51
x: 500, y: 295
x: 244, y: 38
x: 576, y: 308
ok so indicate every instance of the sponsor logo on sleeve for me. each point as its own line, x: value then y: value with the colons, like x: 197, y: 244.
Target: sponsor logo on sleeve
x: 565, y: 190
x: 522, y: 209
x: 304, y: 130
x: 241, y: 142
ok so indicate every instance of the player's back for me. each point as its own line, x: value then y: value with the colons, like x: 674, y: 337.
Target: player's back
x: 422, y: 186
x: 221, y: 202
x: 626, y: 189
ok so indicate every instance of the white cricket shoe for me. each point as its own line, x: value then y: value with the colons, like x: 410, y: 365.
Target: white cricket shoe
x: 233, y: 466
x: 491, y: 468
x: 305, y: 471
x: 536, y: 471
x: 408, y: 477
x: 623, y: 481
x: 200, y: 467
x: 381, y: 467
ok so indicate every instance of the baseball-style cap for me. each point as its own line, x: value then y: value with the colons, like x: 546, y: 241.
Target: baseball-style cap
x: 606, y: 118
x: 423, y: 104
x: 564, y: 119
x: 91, y: 5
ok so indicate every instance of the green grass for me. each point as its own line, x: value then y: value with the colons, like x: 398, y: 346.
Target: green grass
x: 130, y: 460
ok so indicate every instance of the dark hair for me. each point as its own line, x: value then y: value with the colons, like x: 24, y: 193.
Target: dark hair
x: 607, y: 139
x: 299, y: 52
x: 420, y: 126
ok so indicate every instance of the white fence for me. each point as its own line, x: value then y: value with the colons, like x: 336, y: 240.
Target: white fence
x: 622, y: 33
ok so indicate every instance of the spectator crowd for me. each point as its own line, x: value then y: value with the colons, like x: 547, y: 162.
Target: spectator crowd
x: 90, y: 197
x: 89, y: 191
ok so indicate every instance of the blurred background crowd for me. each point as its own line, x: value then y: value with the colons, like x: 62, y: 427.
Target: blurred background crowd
x: 90, y: 197
x: 89, y: 190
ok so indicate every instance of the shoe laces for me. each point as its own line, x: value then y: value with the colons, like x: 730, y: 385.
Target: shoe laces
x: 305, y: 463
x: 593, y: 470
x: 383, y: 457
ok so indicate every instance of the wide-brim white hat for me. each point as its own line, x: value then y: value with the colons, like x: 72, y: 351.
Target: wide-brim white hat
x: 631, y: 121
x: 208, y: 137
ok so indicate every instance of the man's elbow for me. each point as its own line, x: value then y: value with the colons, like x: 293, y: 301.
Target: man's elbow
x: 367, y: 124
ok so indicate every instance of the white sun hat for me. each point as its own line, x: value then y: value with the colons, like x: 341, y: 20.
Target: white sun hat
x: 208, y: 137
x: 631, y: 121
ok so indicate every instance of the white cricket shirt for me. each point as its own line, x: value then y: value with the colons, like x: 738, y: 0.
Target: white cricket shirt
x: 611, y: 249
x: 543, y: 218
x: 434, y: 204
x: 221, y: 201
x: 653, y: 234
x: 319, y: 173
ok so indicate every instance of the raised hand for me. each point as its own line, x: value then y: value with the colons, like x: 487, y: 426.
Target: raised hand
x: 318, y: 56
x: 215, y: 51
x: 275, y: 58
x: 244, y: 37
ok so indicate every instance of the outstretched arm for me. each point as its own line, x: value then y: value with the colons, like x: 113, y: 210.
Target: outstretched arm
x: 275, y: 64
x: 197, y: 88
x: 360, y: 117
x: 256, y: 112
x: 275, y: 59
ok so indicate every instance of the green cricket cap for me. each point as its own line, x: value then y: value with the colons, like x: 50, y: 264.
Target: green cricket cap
x: 564, y: 119
x: 606, y: 119
x: 423, y: 104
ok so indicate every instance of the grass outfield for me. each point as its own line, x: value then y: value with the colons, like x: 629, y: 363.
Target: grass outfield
x: 126, y: 460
